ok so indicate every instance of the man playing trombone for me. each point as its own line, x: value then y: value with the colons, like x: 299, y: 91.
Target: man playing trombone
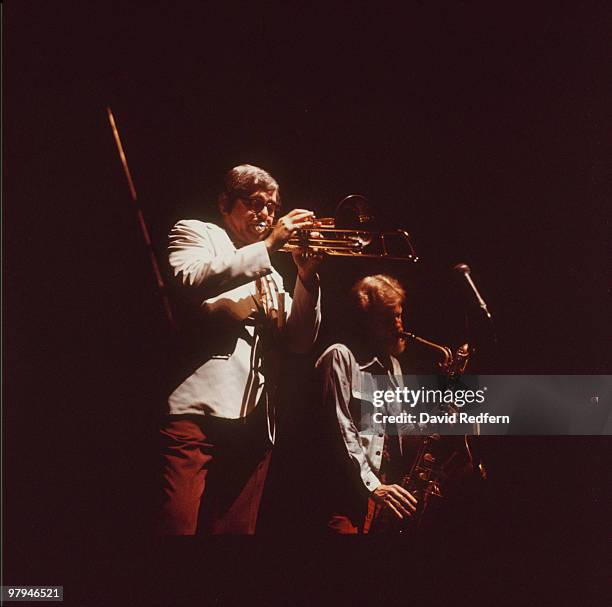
x: 220, y: 423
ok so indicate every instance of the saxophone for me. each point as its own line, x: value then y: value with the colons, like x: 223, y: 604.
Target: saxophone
x: 438, y: 459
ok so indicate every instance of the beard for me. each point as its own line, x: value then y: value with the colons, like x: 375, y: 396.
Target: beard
x: 396, y: 345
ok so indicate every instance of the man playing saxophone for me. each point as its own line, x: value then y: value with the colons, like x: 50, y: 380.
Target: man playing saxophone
x: 366, y: 466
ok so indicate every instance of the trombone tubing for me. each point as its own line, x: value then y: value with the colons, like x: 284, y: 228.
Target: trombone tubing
x: 347, y: 243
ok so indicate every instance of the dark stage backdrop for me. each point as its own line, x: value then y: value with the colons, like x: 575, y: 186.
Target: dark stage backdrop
x: 482, y: 128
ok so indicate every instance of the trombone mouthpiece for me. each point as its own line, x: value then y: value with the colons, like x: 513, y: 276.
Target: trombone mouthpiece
x: 261, y: 227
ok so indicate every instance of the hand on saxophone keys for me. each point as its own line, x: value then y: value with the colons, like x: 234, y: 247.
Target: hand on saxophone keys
x: 396, y: 499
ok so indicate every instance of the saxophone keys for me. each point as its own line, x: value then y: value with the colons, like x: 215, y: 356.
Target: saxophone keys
x: 434, y: 489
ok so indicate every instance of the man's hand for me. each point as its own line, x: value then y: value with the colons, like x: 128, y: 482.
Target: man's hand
x: 286, y: 226
x: 307, y: 264
x: 401, y: 502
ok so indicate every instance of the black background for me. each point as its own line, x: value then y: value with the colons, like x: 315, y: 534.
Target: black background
x: 482, y: 128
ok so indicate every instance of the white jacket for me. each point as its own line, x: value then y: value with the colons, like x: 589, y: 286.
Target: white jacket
x: 222, y: 282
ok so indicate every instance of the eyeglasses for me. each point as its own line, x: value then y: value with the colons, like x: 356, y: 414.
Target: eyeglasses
x: 257, y: 203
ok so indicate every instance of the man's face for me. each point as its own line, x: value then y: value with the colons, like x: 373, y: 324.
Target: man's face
x: 244, y: 221
x: 385, y: 326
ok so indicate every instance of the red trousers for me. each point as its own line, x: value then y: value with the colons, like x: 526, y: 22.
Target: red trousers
x: 360, y: 523
x: 214, y: 471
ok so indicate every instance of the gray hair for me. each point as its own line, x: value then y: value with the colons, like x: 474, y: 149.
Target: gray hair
x: 243, y: 180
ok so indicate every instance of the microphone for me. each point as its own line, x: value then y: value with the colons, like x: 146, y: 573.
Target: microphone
x: 465, y: 270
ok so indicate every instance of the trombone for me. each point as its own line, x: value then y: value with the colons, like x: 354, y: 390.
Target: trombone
x: 328, y: 235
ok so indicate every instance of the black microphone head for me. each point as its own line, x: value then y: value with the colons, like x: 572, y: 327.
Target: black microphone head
x: 462, y: 267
